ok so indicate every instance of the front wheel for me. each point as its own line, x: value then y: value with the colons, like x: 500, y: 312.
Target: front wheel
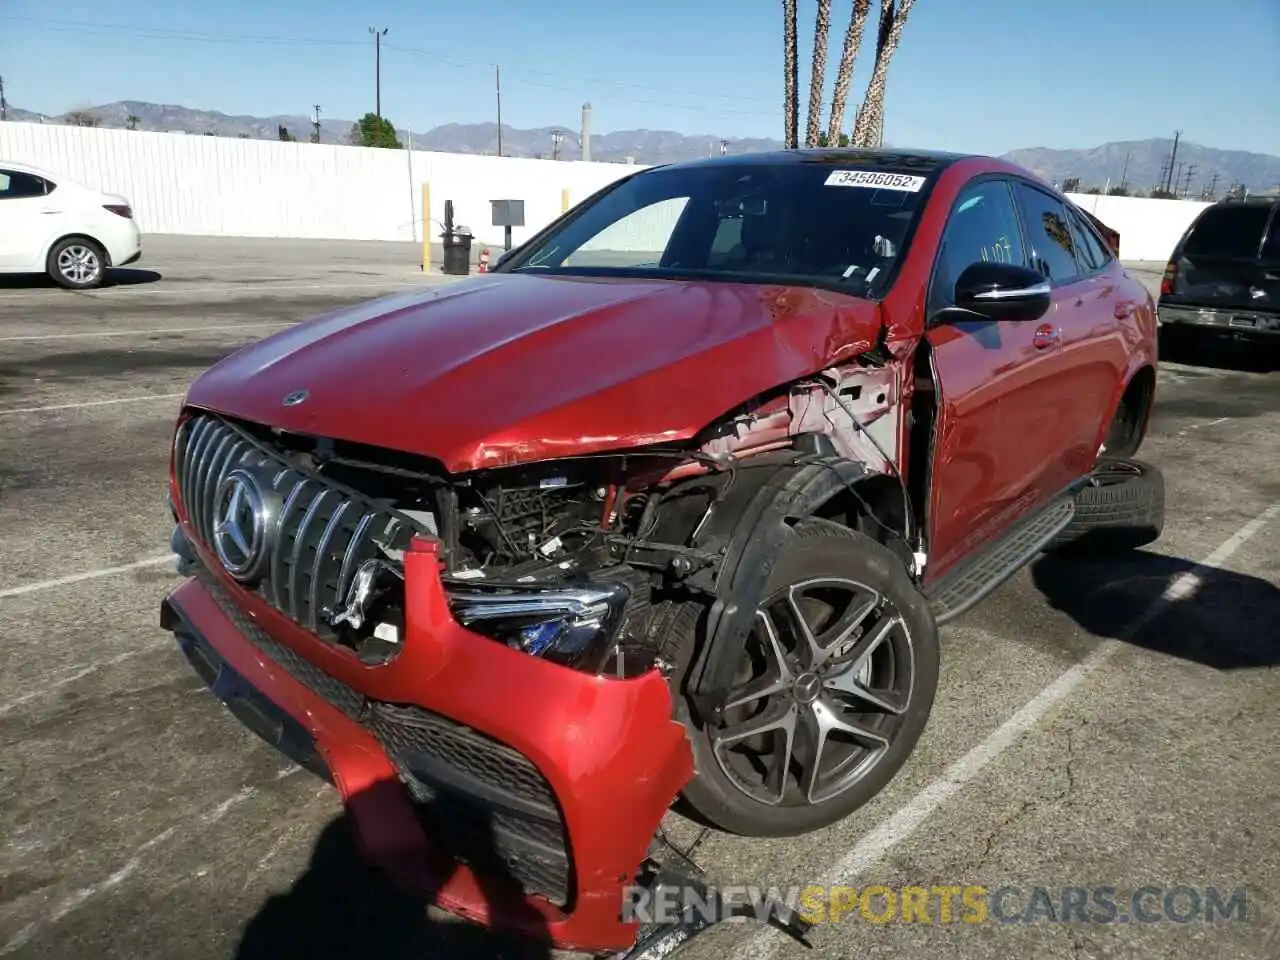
x: 77, y: 264
x: 832, y: 693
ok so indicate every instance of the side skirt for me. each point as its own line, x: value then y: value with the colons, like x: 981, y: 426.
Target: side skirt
x: 973, y: 579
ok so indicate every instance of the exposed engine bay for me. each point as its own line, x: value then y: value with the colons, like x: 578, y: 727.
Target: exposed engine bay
x: 566, y: 559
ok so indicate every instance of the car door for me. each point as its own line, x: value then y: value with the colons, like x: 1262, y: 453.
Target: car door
x: 995, y: 381
x: 1087, y: 352
x: 24, y: 222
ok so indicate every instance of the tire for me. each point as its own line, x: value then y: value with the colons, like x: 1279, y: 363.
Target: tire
x: 77, y: 263
x: 1122, y: 509
x: 821, y: 549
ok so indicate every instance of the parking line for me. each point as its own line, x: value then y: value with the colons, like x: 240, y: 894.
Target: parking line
x: 902, y: 824
x: 93, y: 403
x: 140, y: 332
x: 81, y: 577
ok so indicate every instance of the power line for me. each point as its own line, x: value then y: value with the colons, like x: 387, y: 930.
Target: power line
x: 80, y: 27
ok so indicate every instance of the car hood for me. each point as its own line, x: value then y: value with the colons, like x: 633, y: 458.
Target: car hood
x: 510, y: 368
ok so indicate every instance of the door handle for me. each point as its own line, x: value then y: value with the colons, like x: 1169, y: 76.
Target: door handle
x: 1046, y: 336
x: 49, y: 210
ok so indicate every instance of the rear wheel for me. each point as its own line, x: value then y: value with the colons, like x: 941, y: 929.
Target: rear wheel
x: 1121, y: 509
x: 77, y: 264
x: 832, y: 692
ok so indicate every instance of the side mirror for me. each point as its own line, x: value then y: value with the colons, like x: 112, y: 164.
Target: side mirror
x: 1003, y: 291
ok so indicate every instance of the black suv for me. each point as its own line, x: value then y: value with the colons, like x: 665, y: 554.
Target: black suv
x: 1224, y: 275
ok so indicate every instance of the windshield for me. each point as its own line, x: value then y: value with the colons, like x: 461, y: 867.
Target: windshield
x: 801, y: 223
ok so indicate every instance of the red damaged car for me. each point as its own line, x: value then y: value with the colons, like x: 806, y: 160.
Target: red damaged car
x: 669, y: 504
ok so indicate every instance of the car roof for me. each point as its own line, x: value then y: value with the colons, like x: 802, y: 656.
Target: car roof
x: 887, y: 159
x: 17, y: 167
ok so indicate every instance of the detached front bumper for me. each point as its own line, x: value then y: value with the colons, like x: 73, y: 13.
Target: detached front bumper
x: 459, y: 749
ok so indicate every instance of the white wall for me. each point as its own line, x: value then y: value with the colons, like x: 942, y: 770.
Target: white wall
x: 263, y: 188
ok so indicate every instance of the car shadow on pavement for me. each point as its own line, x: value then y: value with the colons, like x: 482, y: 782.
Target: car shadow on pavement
x: 116, y: 277
x: 1218, y: 618
x: 343, y: 907
x: 1208, y: 354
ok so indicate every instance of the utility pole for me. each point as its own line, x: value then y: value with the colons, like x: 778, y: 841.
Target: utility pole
x: 1186, y: 181
x: 4, y: 104
x: 1124, y: 174
x: 315, y: 124
x: 556, y: 138
x: 724, y: 147
x: 1173, y: 156
x: 497, y: 89
x: 1212, y: 193
x: 377, y: 69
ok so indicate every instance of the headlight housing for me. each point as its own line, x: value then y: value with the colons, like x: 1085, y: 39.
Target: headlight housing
x: 572, y: 626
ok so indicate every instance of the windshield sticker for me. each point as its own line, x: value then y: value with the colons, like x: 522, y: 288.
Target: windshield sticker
x: 875, y: 181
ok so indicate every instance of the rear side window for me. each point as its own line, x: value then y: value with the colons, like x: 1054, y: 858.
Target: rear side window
x: 1053, y: 250
x: 15, y: 185
x: 1227, y: 232
x: 1090, y: 252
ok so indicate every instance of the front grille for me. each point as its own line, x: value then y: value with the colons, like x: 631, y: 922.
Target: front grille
x: 321, y: 536
x: 477, y: 798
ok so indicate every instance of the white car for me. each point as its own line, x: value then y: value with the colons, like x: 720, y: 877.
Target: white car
x: 49, y: 224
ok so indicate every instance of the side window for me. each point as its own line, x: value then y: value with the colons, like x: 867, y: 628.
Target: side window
x: 638, y: 239
x: 15, y: 185
x: 1053, y: 252
x: 1090, y: 253
x: 983, y: 228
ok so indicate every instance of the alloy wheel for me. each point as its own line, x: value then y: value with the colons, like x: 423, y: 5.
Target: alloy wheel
x: 825, y: 688
x: 79, y: 264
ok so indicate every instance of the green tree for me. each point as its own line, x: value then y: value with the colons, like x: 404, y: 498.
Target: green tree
x: 282, y: 133
x: 131, y: 122
x: 824, y: 140
x: 374, y: 131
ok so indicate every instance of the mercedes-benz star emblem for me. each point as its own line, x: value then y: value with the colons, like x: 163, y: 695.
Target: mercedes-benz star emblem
x: 295, y: 398
x: 242, y: 525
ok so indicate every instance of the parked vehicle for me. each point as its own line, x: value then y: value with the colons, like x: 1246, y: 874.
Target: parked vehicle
x: 1223, y: 278
x: 672, y: 501
x: 50, y: 224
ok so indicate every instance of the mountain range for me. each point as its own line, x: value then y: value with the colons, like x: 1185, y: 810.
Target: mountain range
x: 1138, y: 163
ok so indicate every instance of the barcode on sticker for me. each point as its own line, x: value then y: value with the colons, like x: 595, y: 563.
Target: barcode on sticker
x: 875, y: 180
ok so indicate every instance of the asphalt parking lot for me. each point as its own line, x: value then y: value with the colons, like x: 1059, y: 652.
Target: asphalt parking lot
x: 1106, y: 724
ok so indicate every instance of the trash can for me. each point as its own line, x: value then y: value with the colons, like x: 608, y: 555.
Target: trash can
x: 457, y: 251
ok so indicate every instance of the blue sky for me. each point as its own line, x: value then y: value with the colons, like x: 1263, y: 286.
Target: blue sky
x: 986, y: 77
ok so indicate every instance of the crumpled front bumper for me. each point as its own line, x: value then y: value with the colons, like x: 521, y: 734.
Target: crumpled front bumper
x: 609, y: 750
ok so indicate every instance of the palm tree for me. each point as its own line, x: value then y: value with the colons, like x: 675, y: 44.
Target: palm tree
x: 790, y: 107
x: 868, y: 128
x: 844, y: 72
x: 818, y: 78
x: 131, y: 122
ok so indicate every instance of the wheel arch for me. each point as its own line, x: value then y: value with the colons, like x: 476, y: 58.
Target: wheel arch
x: 754, y: 526
x: 77, y: 235
x: 1130, y: 413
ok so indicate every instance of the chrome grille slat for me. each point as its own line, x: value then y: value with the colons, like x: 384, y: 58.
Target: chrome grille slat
x: 314, y: 514
x: 199, y: 432
x: 277, y: 562
x: 352, y: 553
x: 322, y: 552
x: 200, y: 495
x: 208, y: 496
x: 299, y: 549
